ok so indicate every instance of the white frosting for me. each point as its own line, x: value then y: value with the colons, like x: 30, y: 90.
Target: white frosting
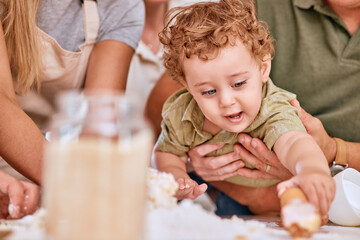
x: 301, y: 213
x: 161, y: 188
x: 12, y: 208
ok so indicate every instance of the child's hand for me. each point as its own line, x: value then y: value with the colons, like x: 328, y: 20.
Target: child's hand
x: 188, y: 188
x: 17, y: 198
x: 319, y: 188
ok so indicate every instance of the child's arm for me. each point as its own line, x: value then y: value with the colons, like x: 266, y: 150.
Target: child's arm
x: 175, y: 165
x: 299, y: 152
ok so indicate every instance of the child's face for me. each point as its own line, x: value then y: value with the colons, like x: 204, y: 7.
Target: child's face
x: 228, y: 89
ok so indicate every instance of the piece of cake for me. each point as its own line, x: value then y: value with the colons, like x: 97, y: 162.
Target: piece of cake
x: 161, y: 188
x: 298, y: 216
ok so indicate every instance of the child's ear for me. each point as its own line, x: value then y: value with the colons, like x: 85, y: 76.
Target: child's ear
x: 265, y: 69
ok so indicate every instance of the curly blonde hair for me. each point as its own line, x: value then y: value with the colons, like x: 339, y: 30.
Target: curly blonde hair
x: 202, y: 29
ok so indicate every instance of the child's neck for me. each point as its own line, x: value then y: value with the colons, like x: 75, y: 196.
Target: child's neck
x: 210, y: 127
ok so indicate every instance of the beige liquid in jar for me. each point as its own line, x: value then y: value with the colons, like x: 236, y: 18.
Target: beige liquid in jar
x: 95, y: 188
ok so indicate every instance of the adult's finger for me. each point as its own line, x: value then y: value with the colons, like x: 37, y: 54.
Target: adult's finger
x: 257, y: 148
x: 306, y: 118
x: 254, y: 174
x: 4, y: 206
x: 14, y: 189
x: 217, y: 168
x: 255, y: 152
x: 204, y: 149
x: 220, y: 173
x: 222, y: 160
x: 250, y: 158
x: 32, y: 197
x: 273, y: 168
x: 220, y: 177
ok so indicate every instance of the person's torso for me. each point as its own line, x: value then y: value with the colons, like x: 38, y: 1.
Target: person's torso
x: 317, y: 59
x: 183, y: 122
x: 61, y: 69
x: 120, y: 20
x: 68, y: 31
x: 145, y: 70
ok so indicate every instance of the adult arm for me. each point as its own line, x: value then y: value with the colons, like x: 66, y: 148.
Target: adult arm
x: 108, y: 65
x: 315, y: 128
x: 21, y: 142
x: 164, y: 87
x: 108, y: 68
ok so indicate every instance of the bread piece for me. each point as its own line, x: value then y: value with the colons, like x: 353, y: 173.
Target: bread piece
x: 298, y: 216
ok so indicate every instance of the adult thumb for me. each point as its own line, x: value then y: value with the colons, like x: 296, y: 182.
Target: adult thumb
x: 304, y: 116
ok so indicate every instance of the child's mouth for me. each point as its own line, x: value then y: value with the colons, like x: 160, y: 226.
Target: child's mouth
x: 235, y: 117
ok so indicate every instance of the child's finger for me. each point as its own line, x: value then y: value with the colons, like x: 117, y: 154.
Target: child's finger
x: 322, y: 199
x: 184, y: 188
x: 331, y: 192
x: 200, y: 189
x: 189, y: 183
x: 281, y: 187
x: 311, y: 194
x: 324, y: 219
x: 185, y: 193
x: 181, y: 183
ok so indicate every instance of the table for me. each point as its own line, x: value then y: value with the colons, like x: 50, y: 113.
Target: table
x: 188, y: 221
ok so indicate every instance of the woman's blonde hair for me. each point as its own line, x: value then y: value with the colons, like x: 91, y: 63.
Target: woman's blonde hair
x: 202, y: 29
x: 19, y: 24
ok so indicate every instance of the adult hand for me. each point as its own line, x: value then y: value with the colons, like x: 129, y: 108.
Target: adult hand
x: 315, y: 128
x: 17, y: 198
x: 214, y: 168
x: 253, y: 151
x: 266, y: 163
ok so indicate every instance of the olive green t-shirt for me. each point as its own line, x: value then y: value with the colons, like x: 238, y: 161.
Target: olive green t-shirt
x: 183, y: 121
x: 317, y: 59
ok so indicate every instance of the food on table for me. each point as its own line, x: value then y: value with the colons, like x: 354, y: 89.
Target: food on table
x: 299, y: 217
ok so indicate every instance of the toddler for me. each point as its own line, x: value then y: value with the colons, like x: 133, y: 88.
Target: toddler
x: 222, y: 54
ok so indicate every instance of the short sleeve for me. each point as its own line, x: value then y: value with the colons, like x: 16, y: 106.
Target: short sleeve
x: 276, y: 117
x: 121, y: 20
x: 176, y: 135
x: 280, y: 123
x: 169, y: 140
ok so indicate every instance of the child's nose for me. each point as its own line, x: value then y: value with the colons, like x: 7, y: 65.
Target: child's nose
x: 227, y: 99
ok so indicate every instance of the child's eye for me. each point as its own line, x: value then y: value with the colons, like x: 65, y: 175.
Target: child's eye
x: 209, y: 92
x: 239, y: 84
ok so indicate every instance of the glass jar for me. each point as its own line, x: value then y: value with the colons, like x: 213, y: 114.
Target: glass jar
x: 95, y: 168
